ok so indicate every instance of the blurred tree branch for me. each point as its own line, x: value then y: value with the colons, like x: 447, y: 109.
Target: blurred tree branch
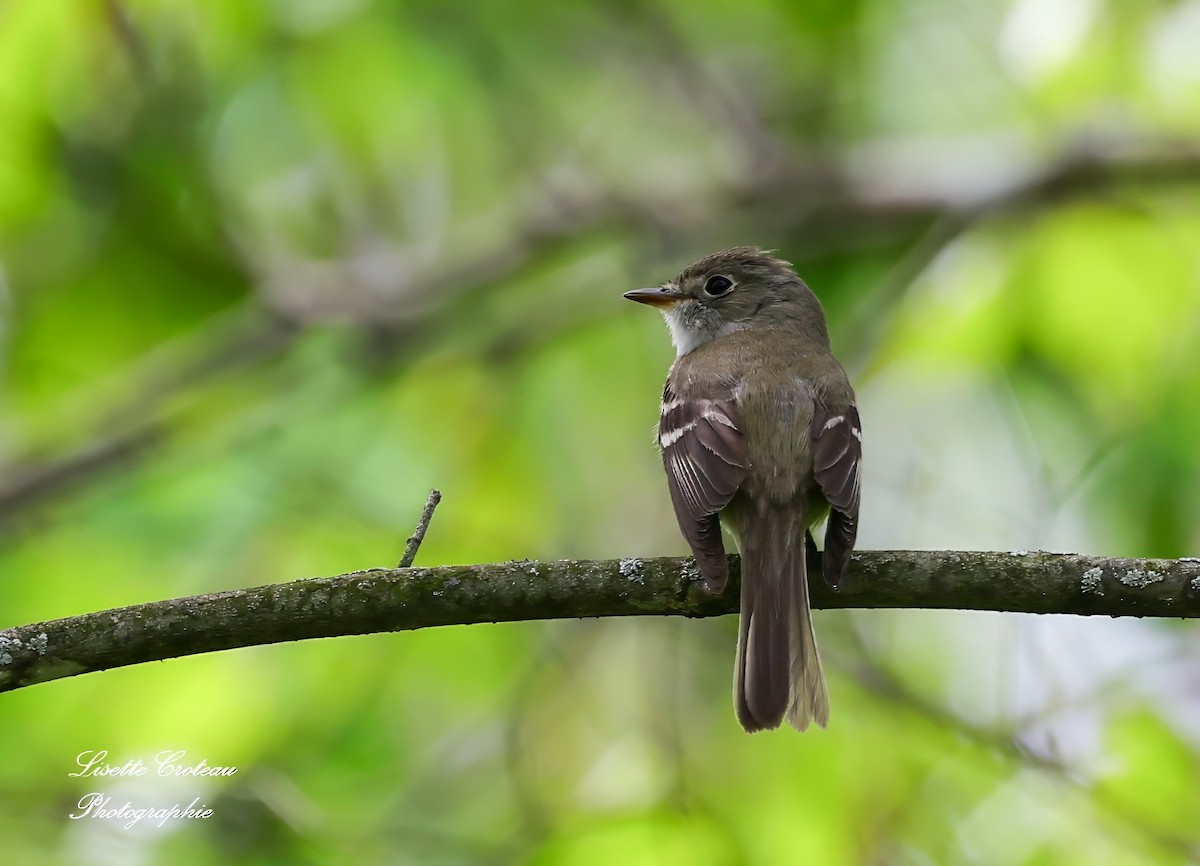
x: 821, y: 202
x: 386, y: 600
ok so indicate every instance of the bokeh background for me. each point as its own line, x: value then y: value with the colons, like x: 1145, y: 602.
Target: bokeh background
x: 269, y: 271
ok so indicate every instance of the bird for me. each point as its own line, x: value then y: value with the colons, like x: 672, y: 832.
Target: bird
x: 759, y: 433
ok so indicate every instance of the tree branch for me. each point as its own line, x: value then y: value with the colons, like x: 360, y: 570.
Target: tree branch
x: 384, y: 600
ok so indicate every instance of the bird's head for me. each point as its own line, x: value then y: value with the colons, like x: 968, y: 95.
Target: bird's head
x: 737, y: 288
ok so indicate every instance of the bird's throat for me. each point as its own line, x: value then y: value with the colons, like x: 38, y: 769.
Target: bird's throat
x: 684, y: 336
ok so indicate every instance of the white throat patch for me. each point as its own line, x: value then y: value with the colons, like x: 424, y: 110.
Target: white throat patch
x: 684, y: 338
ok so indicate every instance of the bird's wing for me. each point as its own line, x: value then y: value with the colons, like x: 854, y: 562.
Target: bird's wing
x: 837, y: 467
x: 704, y: 453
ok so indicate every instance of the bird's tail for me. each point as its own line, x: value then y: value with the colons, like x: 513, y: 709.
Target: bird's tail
x: 778, y: 671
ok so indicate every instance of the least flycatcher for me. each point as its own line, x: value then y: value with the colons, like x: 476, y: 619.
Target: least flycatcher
x: 759, y: 432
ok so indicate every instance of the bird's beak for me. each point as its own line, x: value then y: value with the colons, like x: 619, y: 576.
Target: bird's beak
x: 660, y: 297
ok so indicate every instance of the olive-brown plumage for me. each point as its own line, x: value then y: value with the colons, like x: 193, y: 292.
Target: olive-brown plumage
x: 759, y: 432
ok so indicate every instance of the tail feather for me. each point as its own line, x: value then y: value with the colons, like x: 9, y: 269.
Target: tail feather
x: 810, y: 697
x: 741, y: 706
x: 778, y: 672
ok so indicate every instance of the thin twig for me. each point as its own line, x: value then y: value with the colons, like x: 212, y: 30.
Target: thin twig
x: 861, y: 330
x: 414, y: 541
x: 130, y: 38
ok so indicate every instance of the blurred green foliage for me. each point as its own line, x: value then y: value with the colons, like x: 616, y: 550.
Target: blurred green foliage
x: 269, y: 271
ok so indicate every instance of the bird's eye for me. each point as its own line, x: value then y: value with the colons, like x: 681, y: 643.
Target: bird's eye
x: 717, y: 285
